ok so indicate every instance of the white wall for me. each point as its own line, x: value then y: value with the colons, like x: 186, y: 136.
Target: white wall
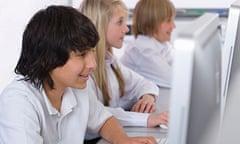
x: 14, y: 15
x: 191, y: 3
x: 76, y: 3
x: 202, y: 3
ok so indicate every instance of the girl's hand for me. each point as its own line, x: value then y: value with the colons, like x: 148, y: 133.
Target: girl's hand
x: 145, y: 105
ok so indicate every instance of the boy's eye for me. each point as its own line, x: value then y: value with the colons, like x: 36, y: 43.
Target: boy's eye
x: 84, y: 53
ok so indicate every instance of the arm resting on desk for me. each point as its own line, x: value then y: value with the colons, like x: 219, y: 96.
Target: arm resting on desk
x: 113, y: 132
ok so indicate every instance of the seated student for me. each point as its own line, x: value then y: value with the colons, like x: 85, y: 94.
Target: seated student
x: 129, y: 96
x: 49, y: 101
x: 150, y: 53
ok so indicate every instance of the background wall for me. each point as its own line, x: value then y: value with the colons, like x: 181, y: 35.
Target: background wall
x: 202, y: 3
x: 14, y: 15
x: 192, y: 3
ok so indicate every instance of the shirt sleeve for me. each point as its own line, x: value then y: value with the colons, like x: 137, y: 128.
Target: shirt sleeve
x: 98, y: 114
x: 152, y: 61
x: 136, y: 85
x: 128, y: 118
x: 18, y: 119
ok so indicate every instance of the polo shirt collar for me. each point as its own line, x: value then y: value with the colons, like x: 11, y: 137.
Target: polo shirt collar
x: 69, y: 101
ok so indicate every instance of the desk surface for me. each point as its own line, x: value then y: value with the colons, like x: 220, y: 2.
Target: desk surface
x: 142, y: 131
x: 162, y: 105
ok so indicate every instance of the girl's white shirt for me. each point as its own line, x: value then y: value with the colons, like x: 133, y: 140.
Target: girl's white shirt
x: 150, y: 58
x: 28, y: 117
x: 135, y: 87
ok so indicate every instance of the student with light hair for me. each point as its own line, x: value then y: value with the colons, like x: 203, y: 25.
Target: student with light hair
x: 150, y: 53
x: 127, y: 95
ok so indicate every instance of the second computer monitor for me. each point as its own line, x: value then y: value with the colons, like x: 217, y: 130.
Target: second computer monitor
x: 231, y: 78
x: 195, y: 96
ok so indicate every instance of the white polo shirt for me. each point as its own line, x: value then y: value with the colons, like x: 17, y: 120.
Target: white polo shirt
x: 135, y: 87
x: 27, y: 116
x: 150, y: 58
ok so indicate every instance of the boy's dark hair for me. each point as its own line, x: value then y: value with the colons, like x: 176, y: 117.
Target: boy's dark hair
x: 49, y: 37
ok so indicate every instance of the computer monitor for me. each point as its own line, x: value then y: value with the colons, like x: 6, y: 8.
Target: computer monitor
x: 196, y: 83
x: 231, y: 49
x: 231, y: 77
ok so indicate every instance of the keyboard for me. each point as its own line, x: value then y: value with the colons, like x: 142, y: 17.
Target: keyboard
x: 162, y: 140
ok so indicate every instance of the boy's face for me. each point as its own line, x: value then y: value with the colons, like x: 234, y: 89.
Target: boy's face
x: 117, y: 28
x: 76, y: 71
x: 165, y: 29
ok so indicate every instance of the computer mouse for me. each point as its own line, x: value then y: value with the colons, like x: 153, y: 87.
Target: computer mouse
x: 163, y: 126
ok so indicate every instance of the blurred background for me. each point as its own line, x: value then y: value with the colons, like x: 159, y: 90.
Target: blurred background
x: 15, y: 14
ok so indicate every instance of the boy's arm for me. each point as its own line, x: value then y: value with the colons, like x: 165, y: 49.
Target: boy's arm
x: 113, y: 132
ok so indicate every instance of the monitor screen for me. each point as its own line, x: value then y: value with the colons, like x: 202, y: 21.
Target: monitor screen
x: 196, y: 85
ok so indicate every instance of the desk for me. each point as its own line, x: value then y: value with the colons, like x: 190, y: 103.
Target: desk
x: 162, y: 105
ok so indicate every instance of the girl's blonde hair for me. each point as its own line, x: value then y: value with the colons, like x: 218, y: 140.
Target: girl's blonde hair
x: 148, y: 13
x: 100, y: 12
